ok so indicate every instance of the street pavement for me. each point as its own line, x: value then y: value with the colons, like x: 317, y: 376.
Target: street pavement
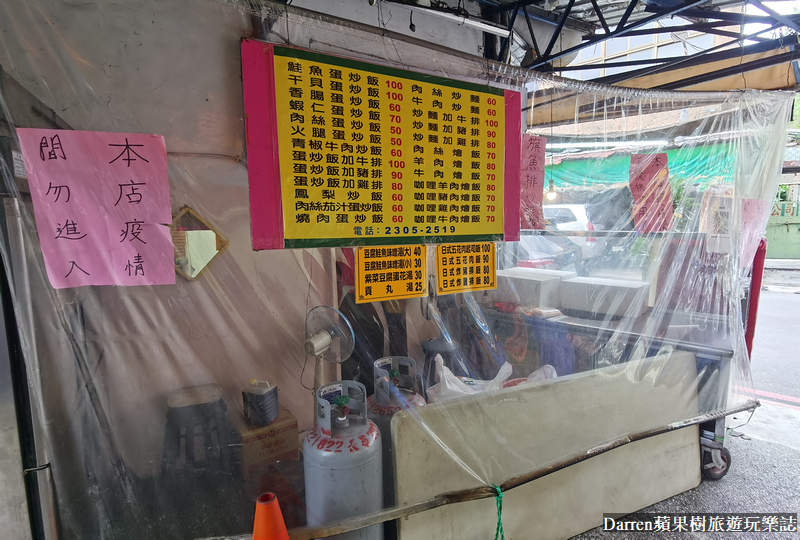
x: 782, y: 275
x: 765, y: 452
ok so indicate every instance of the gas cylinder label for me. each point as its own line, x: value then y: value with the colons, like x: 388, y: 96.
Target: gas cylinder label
x: 330, y: 392
x: 325, y: 443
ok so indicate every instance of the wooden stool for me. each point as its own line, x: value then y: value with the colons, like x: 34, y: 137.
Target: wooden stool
x: 196, y: 420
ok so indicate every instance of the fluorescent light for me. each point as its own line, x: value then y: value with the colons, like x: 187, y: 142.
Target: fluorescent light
x: 472, y: 23
x: 609, y: 144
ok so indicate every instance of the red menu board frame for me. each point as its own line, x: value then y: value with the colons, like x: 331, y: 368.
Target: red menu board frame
x: 264, y: 156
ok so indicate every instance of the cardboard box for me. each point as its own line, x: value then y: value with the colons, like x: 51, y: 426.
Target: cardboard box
x: 263, y: 445
x: 601, y: 296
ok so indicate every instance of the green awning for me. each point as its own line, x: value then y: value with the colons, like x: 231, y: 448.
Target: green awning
x: 693, y: 164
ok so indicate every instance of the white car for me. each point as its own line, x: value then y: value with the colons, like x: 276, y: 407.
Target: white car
x: 573, y: 217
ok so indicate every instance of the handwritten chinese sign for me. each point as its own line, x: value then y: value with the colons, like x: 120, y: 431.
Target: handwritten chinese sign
x: 466, y: 267
x: 652, y: 195
x: 532, y: 182
x: 100, y: 201
x: 391, y: 273
x: 364, y: 154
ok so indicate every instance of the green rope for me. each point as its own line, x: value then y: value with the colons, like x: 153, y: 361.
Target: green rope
x: 498, y: 533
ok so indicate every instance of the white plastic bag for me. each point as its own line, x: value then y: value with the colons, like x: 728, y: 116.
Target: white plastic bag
x: 449, y: 386
x: 543, y: 373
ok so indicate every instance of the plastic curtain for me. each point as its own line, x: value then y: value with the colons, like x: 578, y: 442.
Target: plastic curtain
x: 643, y: 316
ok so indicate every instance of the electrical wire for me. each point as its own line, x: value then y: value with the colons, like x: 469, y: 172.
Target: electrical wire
x: 236, y: 159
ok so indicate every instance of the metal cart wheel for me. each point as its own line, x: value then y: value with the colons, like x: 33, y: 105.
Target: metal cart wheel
x: 710, y: 470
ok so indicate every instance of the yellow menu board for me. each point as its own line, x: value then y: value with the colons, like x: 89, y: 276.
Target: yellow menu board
x: 465, y: 267
x: 391, y: 273
x: 374, y: 155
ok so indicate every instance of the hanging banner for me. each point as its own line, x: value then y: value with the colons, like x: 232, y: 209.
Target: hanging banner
x: 101, y: 204
x: 391, y: 273
x: 342, y: 152
x: 466, y: 267
x: 532, y: 182
x: 652, y: 195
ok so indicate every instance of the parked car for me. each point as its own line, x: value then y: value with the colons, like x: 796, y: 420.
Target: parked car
x: 575, y: 217
x: 548, y: 252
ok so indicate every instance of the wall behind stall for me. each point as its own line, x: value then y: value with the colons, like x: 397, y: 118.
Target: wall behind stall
x: 172, y: 69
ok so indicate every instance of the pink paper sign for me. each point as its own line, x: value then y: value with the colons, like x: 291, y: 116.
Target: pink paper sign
x: 532, y: 182
x: 652, y: 195
x: 101, y: 203
x: 754, y: 219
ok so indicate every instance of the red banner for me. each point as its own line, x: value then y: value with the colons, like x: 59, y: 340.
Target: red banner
x: 652, y: 195
x: 532, y: 182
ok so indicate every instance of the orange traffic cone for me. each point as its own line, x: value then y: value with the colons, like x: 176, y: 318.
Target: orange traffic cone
x: 268, y: 523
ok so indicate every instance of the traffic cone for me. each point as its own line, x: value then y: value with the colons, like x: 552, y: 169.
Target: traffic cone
x: 268, y: 523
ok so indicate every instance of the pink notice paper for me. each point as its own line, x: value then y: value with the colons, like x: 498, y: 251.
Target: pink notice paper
x: 101, y: 203
x: 652, y: 195
x: 532, y: 182
x: 754, y: 220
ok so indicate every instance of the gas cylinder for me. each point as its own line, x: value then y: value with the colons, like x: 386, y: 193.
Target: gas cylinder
x: 396, y: 388
x: 343, y: 461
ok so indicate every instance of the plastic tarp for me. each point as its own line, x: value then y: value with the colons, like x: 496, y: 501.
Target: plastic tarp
x: 103, y: 361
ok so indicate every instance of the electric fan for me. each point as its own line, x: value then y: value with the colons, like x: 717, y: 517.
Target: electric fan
x: 329, y: 337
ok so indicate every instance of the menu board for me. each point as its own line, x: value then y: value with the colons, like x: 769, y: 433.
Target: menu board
x: 365, y: 154
x: 391, y: 273
x: 465, y: 267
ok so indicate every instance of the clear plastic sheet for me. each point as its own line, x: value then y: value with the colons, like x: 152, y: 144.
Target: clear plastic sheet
x: 647, y: 326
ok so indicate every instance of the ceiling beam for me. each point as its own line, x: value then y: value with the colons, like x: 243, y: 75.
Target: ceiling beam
x: 505, y: 42
x: 698, y: 27
x: 740, y: 18
x: 626, y: 15
x: 711, y: 55
x: 783, y: 19
x: 558, y: 29
x: 732, y: 70
x: 597, y: 12
x: 542, y: 62
x: 625, y: 63
x: 530, y: 29
x: 514, y: 5
x: 552, y: 18
x: 728, y: 34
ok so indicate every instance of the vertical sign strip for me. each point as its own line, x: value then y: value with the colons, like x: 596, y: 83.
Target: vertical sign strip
x: 532, y: 182
x: 261, y: 132
x: 512, y: 185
